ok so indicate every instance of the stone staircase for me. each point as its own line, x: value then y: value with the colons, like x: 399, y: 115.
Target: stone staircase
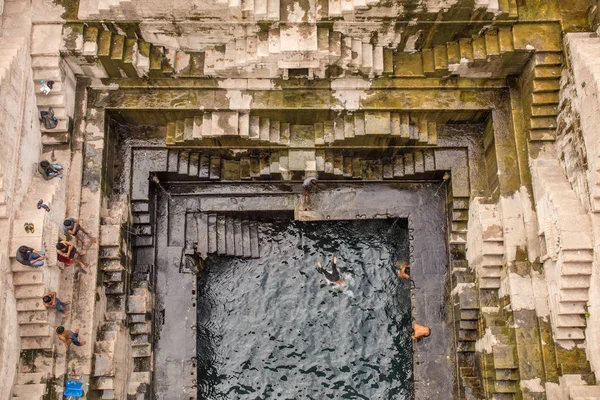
x: 486, y: 252
x: 338, y: 8
x: 47, y: 65
x: 110, y: 367
x: 31, y: 283
x: 570, y: 255
x: 294, y: 47
x: 32, y: 385
x: 226, y: 235
x: 98, y: 52
x: 275, y: 164
x: 415, y: 129
x: 494, y: 53
x: 544, y: 88
x: 464, y: 296
x: 139, y: 312
x: 499, y: 366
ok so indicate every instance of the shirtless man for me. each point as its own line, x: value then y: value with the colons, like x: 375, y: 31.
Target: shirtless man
x: 420, y: 331
x: 50, y: 300
x: 333, y: 276
x: 68, y: 336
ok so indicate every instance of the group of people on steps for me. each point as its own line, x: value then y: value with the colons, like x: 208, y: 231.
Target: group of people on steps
x: 67, y: 254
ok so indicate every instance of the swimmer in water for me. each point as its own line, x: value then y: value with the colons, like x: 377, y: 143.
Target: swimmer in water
x: 404, y: 270
x: 333, y: 276
x: 420, y: 331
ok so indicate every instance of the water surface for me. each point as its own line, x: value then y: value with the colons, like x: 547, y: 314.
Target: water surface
x: 274, y: 328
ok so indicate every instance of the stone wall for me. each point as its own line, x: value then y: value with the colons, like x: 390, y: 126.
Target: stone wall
x: 579, y: 151
x: 19, y: 153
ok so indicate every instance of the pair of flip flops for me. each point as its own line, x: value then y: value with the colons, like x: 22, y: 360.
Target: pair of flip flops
x: 41, y: 205
x: 29, y: 228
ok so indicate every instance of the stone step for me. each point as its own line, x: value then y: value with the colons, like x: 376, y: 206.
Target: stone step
x: 493, y: 248
x: 575, y: 268
x: 221, y: 235
x: 212, y: 233
x: 34, y: 330
x: 569, y: 334
x: 229, y: 236
x: 143, y: 350
x: 141, y: 328
x: 30, y: 304
x: 572, y: 308
x: 489, y: 283
x: 30, y: 392
x: 246, y: 239
x: 29, y: 291
x: 202, y: 235
x: 575, y: 281
x: 32, y: 277
x: 103, y: 383
x: 584, y: 392
x: 573, y: 295
x: 238, y: 237
x: 575, y: 321
x: 577, y: 256
x: 254, y: 239
x: 39, y: 342
x: 183, y: 163
x: 31, y: 378
x: 32, y: 317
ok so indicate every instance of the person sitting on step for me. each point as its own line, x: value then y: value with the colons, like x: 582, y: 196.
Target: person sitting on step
x: 68, y: 336
x: 52, y: 301
x: 71, y: 226
x: 30, y: 257
x: 49, y: 170
x: 67, y: 253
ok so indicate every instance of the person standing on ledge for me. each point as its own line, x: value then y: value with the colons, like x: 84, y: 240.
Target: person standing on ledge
x: 310, y: 187
x: 333, y: 276
x: 420, y: 331
x: 68, y: 336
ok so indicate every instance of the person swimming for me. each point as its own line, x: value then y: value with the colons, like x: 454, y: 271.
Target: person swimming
x: 334, y: 276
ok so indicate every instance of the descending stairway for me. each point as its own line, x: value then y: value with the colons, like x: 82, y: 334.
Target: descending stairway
x: 569, y: 278
x: 31, y: 385
x: 48, y: 65
x: 115, y: 55
x: 306, y: 46
x: 110, y: 366
x: 225, y: 124
x: 544, y: 88
x: 218, y: 124
x: 486, y: 256
x: 268, y: 164
x: 226, y: 235
x: 31, y: 283
x: 139, y: 311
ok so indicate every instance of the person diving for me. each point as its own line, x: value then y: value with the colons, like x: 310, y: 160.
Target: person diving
x: 334, y: 276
